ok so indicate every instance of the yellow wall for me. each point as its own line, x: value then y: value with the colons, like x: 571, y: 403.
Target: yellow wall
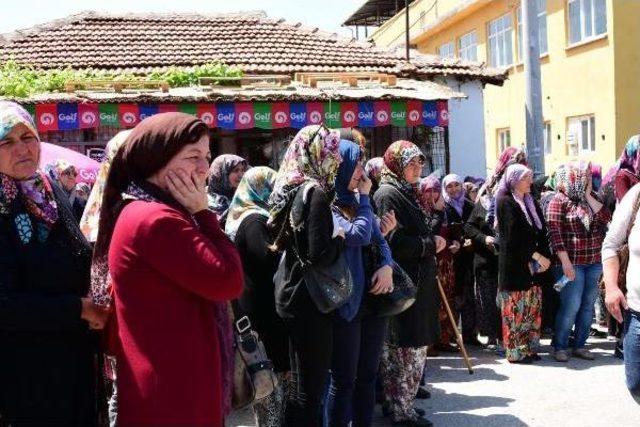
x: 582, y: 80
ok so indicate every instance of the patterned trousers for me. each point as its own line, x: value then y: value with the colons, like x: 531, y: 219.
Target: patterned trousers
x: 521, y: 321
x: 401, y: 370
x: 447, y: 277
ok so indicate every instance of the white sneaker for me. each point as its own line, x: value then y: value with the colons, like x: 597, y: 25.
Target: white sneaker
x: 561, y: 355
x: 583, y: 353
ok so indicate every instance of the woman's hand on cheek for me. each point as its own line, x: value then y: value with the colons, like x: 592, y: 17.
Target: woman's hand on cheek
x: 189, y: 191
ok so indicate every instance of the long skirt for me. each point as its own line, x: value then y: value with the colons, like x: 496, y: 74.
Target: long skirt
x: 447, y: 277
x: 269, y: 412
x: 521, y: 321
x: 401, y: 370
x: 487, y: 312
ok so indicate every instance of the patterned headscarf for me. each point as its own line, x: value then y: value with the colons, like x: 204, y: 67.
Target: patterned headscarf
x: 429, y: 185
x: 35, y: 192
x: 396, y: 158
x: 220, y: 189
x: 510, y: 156
x: 596, y: 177
x: 456, y: 202
x: 514, y: 174
x: 252, y: 196
x: 629, y: 160
x: 91, y: 216
x: 573, y: 180
x: 312, y: 155
x: 57, y: 168
x: 373, y: 169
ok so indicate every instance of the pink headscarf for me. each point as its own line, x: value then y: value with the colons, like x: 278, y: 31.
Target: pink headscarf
x: 514, y: 174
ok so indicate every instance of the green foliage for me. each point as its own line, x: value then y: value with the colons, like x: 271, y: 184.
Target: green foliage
x: 22, y: 81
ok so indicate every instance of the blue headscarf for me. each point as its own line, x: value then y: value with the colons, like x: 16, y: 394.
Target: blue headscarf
x: 351, y: 154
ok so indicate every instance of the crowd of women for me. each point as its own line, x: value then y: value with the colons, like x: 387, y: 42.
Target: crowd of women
x: 136, y: 304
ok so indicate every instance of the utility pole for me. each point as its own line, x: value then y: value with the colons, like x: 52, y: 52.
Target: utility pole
x: 533, y: 83
x: 406, y: 16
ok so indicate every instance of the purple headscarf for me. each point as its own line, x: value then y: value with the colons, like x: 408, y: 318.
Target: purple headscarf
x: 513, y: 175
x: 456, y: 202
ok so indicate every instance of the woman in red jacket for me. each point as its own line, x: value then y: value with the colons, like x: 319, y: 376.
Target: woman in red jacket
x: 169, y: 264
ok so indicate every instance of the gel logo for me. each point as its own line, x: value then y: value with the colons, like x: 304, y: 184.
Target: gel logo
x: 67, y: 117
x: 365, y: 116
x: 280, y: 117
x: 129, y: 118
x: 47, y: 119
x: 414, y: 115
x: 244, y: 118
x: 207, y: 118
x: 88, y: 118
x: 431, y: 115
x: 349, y: 117
x: 315, y: 117
x: 382, y: 116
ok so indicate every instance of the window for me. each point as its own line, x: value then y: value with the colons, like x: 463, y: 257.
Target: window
x: 582, y: 133
x: 467, y: 46
x: 504, y: 139
x: 446, y: 50
x: 542, y: 28
x: 500, y: 42
x: 587, y: 19
x: 546, y: 137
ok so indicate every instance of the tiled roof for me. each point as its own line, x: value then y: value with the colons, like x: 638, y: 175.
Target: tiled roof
x: 142, y: 43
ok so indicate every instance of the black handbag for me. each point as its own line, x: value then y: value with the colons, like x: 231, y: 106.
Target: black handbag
x: 404, y: 290
x: 329, y: 286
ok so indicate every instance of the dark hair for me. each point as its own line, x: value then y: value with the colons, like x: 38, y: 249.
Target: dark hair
x: 149, y: 147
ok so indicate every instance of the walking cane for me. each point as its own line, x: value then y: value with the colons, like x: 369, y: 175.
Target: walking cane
x: 455, y: 328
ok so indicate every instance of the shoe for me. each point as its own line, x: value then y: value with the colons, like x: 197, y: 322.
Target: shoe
x: 527, y: 360
x: 535, y: 356
x: 423, y: 393
x: 583, y: 353
x: 447, y: 348
x: 473, y: 342
x: 618, y: 353
x: 561, y: 355
x: 418, y: 422
x: 500, y: 351
x: 420, y: 412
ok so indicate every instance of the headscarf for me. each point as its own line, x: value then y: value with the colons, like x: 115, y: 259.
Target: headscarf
x: 429, y: 184
x: 629, y: 160
x: 396, y: 158
x: 57, y: 168
x: 351, y: 154
x: 514, y: 174
x: 596, y: 177
x: 91, y: 216
x: 312, y: 156
x: 82, y: 190
x: 35, y: 192
x: 251, y: 197
x: 373, y: 169
x: 469, y: 187
x: 220, y: 189
x: 456, y: 202
x: 510, y: 156
x: 573, y: 180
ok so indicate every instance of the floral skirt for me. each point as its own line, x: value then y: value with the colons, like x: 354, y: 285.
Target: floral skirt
x: 447, y: 277
x: 521, y: 321
x: 401, y: 371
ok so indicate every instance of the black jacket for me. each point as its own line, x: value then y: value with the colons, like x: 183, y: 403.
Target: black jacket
x: 463, y: 259
x: 518, y: 241
x: 413, y: 248
x: 477, y: 229
x: 47, y: 374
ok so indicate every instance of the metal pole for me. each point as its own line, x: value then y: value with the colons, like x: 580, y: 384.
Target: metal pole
x: 533, y: 83
x: 406, y: 15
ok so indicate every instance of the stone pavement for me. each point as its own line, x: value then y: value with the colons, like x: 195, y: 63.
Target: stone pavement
x: 548, y: 393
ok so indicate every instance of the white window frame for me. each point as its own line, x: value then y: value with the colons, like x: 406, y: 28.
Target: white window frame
x: 543, y: 40
x: 468, y: 46
x: 588, y: 16
x: 547, y: 138
x: 447, y: 50
x: 500, y: 37
x: 580, y: 127
x: 503, y: 139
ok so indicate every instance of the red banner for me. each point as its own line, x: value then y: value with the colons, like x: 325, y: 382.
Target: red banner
x: 443, y: 113
x: 167, y: 108
x: 280, y: 115
x: 207, y: 113
x: 382, y: 113
x: 349, y: 114
x: 315, y: 113
x: 89, y: 116
x: 47, y: 117
x: 244, y: 115
x: 414, y: 113
x: 129, y: 115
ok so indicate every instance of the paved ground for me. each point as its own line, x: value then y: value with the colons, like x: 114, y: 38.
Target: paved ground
x: 578, y: 393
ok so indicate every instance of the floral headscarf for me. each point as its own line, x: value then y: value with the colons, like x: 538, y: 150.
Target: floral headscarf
x: 429, y: 185
x: 91, y: 215
x: 251, y: 197
x: 57, y: 168
x: 396, y: 158
x: 220, y: 189
x: 312, y: 155
x: 514, y: 174
x: 629, y: 160
x: 572, y: 181
x: 510, y: 156
x: 456, y: 202
x: 373, y: 169
x: 35, y: 193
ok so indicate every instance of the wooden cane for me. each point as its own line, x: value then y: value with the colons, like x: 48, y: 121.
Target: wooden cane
x: 455, y: 328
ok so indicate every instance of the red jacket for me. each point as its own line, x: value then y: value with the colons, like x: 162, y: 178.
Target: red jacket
x: 166, y: 272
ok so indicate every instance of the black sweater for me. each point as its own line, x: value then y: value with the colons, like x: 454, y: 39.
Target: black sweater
x: 518, y: 241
